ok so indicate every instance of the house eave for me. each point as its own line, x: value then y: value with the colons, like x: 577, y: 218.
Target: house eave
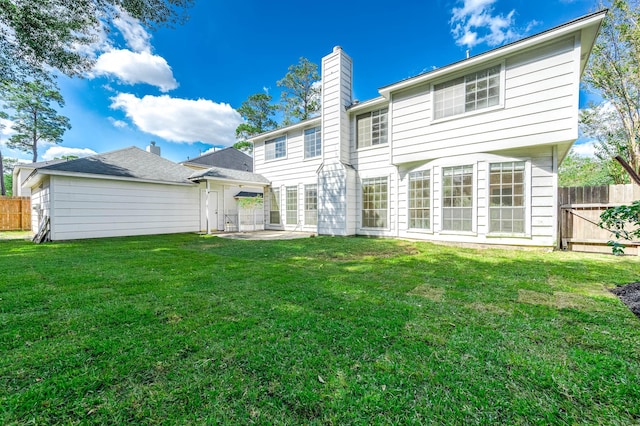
x: 283, y: 130
x: 371, y: 103
x: 37, y: 175
x: 592, y: 21
x: 231, y: 181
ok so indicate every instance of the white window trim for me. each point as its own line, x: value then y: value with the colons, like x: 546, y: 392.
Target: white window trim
x: 286, y: 207
x: 431, y: 202
x: 355, y: 129
x: 475, y: 112
x: 474, y: 195
x: 374, y: 229
x: 528, y: 191
x: 304, y: 204
x: 286, y: 148
x: 304, y: 148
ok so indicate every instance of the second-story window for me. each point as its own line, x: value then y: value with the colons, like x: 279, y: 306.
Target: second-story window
x: 275, y: 148
x: 372, y: 128
x: 472, y: 92
x: 312, y: 142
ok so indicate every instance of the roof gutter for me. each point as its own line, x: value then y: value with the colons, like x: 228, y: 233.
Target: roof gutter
x: 286, y: 129
x: 568, y: 28
x: 44, y: 172
x: 230, y: 181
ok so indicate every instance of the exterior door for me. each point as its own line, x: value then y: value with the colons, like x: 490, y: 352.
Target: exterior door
x: 208, y: 210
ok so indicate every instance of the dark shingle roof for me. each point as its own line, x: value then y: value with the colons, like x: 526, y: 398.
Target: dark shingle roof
x: 248, y: 194
x: 228, y: 158
x: 228, y: 174
x: 129, y: 162
x: 39, y: 164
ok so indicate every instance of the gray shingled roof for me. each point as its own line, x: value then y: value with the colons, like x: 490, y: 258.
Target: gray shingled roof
x: 228, y: 174
x: 129, y: 162
x: 228, y: 158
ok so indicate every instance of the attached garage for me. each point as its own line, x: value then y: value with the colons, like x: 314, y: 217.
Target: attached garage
x: 126, y: 192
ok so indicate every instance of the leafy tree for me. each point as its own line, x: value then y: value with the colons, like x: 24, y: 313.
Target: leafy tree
x: 601, y: 123
x: 8, y: 184
x: 613, y: 73
x: 36, y: 35
x: 34, y: 119
x: 258, y: 113
x: 623, y: 222
x: 300, y: 96
x: 577, y: 170
x: 3, y: 186
x: 8, y: 165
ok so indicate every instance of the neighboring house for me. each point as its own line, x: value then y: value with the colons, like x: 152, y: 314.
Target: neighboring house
x: 133, y: 192
x: 228, y: 158
x: 21, y: 172
x: 467, y: 153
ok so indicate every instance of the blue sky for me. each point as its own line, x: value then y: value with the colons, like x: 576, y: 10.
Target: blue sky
x: 180, y: 86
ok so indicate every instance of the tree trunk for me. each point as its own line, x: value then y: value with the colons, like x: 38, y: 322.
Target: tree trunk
x: 634, y: 176
x: 35, y: 137
x: 3, y: 189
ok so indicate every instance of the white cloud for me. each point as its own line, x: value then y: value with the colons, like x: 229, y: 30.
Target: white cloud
x: 476, y: 22
x: 136, y: 37
x: 118, y: 123
x: 181, y: 120
x: 5, y: 128
x: 136, y: 67
x: 137, y: 64
x: 61, y: 151
x: 585, y: 149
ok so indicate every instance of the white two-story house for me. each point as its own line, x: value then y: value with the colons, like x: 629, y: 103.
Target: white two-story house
x: 467, y: 153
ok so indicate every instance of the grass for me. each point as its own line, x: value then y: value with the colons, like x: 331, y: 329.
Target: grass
x: 16, y: 235
x: 197, y: 329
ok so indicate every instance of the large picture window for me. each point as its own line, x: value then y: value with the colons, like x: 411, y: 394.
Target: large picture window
x: 472, y: 92
x: 275, y: 148
x: 372, y: 128
x: 274, y: 208
x: 457, y: 198
x: 312, y: 143
x: 292, y: 205
x: 311, y: 204
x: 506, y: 189
x: 374, y: 203
x: 420, y: 200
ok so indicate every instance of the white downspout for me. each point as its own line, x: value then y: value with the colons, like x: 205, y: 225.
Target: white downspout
x: 207, y: 209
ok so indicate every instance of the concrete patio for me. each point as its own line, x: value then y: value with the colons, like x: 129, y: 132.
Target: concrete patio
x: 266, y: 235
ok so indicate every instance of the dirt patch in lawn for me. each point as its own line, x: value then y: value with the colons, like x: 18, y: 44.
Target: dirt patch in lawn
x: 630, y: 295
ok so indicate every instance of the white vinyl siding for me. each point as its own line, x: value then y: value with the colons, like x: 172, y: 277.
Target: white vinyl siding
x: 472, y: 92
x: 311, y: 205
x: 538, y: 106
x: 94, y: 208
x: 457, y: 198
x: 374, y: 202
x: 274, y: 207
x: 420, y: 200
x: 275, y: 148
x: 292, y: 205
x: 507, y: 198
x: 372, y: 128
x: 312, y: 142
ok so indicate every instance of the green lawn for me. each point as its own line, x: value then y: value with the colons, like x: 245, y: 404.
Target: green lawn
x: 197, y: 329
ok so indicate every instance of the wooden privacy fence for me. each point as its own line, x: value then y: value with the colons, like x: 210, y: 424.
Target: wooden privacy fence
x: 15, y: 213
x: 580, y: 209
